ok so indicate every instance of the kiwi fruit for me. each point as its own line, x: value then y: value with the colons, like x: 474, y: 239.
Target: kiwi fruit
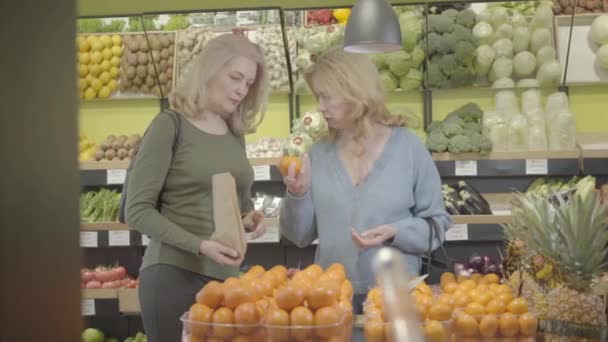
x: 133, y: 46
x: 171, y: 38
x: 164, y: 53
x: 126, y: 83
x: 142, y: 71
x: 151, y: 69
x: 164, y: 40
x: 156, y: 56
x: 131, y: 59
x: 130, y: 72
x: 143, y: 45
x: 169, y: 73
x: 162, y: 78
x: 155, y: 44
x: 126, y: 39
x: 170, y: 60
x: 156, y: 91
x: 142, y: 58
x: 150, y: 81
x: 144, y: 89
x: 137, y: 82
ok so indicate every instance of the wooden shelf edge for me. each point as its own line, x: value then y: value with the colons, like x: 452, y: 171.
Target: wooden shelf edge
x: 508, y: 155
x: 99, y: 293
x: 95, y: 165
x: 128, y: 301
x: 264, y: 161
x: 103, y: 226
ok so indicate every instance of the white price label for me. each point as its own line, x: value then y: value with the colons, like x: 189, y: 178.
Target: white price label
x: 116, y: 176
x: 87, y: 307
x: 537, y: 166
x: 457, y: 232
x: 261, y: 172
x: 271, y: 236
x: 119, y: 238
x: 88, y: 239
x: 466, y: 168
x: 145, y: 240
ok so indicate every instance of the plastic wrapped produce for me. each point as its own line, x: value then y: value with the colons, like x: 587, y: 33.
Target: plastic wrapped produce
x: 497, y: 130
x: 537, y: 133
x: 518, y: 133
x: 506, y: 103
x: 561, y: 125
x: 270, y: 39
x: 531, y: 103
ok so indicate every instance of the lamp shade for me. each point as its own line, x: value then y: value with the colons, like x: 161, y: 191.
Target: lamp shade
x: 372, y: 27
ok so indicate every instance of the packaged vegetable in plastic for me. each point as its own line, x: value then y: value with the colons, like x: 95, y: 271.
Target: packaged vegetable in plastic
x: 518, y: 133
x: 497, y: 130
x: 537, y: 132
x: 505, y: 102
x: 556, y: 103
x: 561, y: 125
x: 531, y: 103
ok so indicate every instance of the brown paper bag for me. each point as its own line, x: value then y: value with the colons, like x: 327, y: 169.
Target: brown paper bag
x: 229, y: 228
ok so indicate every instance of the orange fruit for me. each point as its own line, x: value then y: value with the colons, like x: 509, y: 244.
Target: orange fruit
x: 237, y: 295
x: 440, y: 312
x: 329, y: 318
x: 301, y: 276
x: 461, y: 301
x: 467, y: 325
x: 223, y: 316
x: 335, y: 266
x: 483, y: 288
x: 434, y: 331
x: 447, y: 277
x: 373, y: 330
x: 528, y: 324
x: 496, y: 307
x: 449, y: 287
x: 505, y: 297
x: 422, y: 311
x: 288, y: 297
x: 265, y: 286
x: 281, y: 270
x: 324, y: 294
x: 474, y: 293
x: 211, y: 294
x: 262, y: 306
x: 336, y: 274
x: 468, y: 285
x: 346, y: 307
x: 286, y: 162
x: 518, y: 306
x: 502, y: 288
x: 492, y: 278
x: 476, y: 277
x: 246, y: 314
x: 199, y: 313
x: 488, y: 326
x: 461, y: 279
x: 256, y: 270
x: 484, y: 298
x: 509, y: 324
x: 277, y: 318
x: 347, y: 290
x: 195, y: 338
x: 301, y: 317
x: 313, y: 271
x: 475, y: 309
x: 424, y: 288
x: 243, y: 338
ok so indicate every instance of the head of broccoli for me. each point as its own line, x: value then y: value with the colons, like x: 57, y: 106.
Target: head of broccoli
x: 460, y: 144
x: 465, y: 52
x: 437, y: 142
x: 440, y: 23
x: 452, y: 128
x: 481, y: 143
x: 473, y: 127
x: 466, y: 18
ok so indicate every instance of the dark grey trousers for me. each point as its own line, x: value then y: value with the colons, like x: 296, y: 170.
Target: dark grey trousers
x: 165, y: 293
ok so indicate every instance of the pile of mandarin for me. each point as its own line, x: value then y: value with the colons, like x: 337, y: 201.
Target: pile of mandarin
x: 311, y: 305
x: 462, y: 309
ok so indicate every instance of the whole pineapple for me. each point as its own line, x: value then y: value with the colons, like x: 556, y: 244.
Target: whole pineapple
x: 571, y: 235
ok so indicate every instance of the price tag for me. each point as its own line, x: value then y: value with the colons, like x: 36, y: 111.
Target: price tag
x: 116, y: 176
x: 119, y: 238
x: 458, y: 232
x: 261, y: 172
x: 145, y: 240
x: 271, y: 236
x: 537, y: 167
x: 88, y: 239
x: 466, y: 168
x: 87, y: 307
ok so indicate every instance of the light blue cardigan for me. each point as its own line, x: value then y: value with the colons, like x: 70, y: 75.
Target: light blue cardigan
x: 402, y: 189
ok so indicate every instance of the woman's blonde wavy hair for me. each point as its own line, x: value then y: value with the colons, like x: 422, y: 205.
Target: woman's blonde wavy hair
x: 189, y: 98
x: 355, y: 79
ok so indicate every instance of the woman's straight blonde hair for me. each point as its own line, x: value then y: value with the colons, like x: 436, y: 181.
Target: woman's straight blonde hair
x: 354, y: 79
x: 189, y: 97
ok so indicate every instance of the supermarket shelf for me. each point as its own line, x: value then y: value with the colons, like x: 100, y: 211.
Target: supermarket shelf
x: 128, y: 301
x: 481, y: 219
x: 103, y: 226
x: 99, y: 302
x: 95, y: 165
x: 594, y: 153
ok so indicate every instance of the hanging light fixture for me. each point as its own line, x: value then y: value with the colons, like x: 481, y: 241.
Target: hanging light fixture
x: 372, y: 27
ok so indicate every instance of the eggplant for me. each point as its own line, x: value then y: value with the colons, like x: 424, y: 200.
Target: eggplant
x: 474, y: 203
x: 484, y: 206
x: 476, y: 261
x: 465, y: 209
x: 490, y: 269
x: 487, y: 260
x: 459, y: 266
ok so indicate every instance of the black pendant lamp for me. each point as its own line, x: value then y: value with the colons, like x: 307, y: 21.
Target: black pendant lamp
x: 372, y: 27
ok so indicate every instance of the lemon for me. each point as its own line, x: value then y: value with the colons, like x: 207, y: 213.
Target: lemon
x: 105, y: 65
x: 96, y: 84
x: 83, y: 45
x: 115, y: 61
x: 89, y: 78
x: 113, y: 85
x: 106, y: 54
x: 114, y: 71
x: 104, y: 93
x: 83, y: 70
x: 105, y: 77
x: 82, y: 84
x: 81, y: 94
x: 90, y: 94
x: 96, y: 57
x: 84, y: 58
x: 116, y: 51
x: 117, y: 40
x: 96, y: 45
x: 91, y: 39
x: 95, y: 70
x: 106, y: 41
x: 80, y: 39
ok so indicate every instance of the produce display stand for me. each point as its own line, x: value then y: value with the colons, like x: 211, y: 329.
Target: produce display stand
x: 496, y: 175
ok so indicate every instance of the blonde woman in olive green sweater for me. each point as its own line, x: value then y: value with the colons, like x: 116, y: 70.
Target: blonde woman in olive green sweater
x: 218, y: 101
